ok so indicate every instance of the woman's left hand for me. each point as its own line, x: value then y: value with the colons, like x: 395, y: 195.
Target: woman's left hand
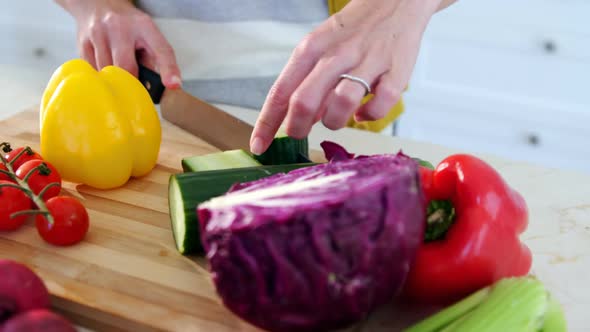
x: 377, y: 41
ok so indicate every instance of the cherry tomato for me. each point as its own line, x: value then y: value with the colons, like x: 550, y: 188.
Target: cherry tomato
x: 12, y: 200
x: 70, y: 221
x: 26, y: 156
x: 41, y: 177
x: 4, y: 177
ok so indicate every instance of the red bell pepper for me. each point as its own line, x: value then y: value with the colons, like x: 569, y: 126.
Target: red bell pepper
x: 472, y: 237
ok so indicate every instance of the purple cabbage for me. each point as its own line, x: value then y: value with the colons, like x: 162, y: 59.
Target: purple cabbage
x: 336, y: 152
x: 317, y: 248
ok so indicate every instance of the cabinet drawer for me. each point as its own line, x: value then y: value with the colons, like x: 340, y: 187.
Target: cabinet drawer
x: 488, y: 69
x: 569, y: 16
x: 536, y: 50
x: 527, y: 40
x: 31, y: 45
x: 549, y: 144
x: 507, y: 78
x: 42, y: 35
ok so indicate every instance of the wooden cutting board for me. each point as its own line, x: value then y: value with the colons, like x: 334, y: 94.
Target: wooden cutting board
x: 127, y: 275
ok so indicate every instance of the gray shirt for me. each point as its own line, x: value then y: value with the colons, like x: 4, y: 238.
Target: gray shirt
x: 231, y: 51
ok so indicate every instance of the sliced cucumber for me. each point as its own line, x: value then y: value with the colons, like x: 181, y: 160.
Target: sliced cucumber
x: 219, y: 160
x: 285, y: 150
x: 181, y: 217
x: 187, y: 190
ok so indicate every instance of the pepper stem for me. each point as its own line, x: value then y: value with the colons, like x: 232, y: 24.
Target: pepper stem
x: 5, y: 146
x: 42, y: 168
x: 440, y: 216
x: 18, y: 155
x: 424, y: 163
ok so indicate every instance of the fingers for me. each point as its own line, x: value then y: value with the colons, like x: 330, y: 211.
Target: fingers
x: 391, y: 84
x: 386, y: 94
x: 306, y: 104
x: 113, y: 38
x: 346, y: 98
x: 276, y: 105
x: 124, y: 57
x: 163, y: 55
x: 87, y: 52
x: 123, y: 51
x: 102, y: 49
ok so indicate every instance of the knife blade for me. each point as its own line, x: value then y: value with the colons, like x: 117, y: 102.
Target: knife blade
x: 213, y: 125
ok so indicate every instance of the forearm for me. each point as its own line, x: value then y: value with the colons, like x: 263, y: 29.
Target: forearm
x: 428, y: 6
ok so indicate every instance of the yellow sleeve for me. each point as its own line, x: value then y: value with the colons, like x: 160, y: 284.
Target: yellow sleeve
x: 396, y: 110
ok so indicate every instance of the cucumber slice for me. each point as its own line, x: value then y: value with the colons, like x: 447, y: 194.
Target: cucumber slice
x: 285, y: 150
x: 187, y: 190
x: 219, y: 160
x: 180, y: 216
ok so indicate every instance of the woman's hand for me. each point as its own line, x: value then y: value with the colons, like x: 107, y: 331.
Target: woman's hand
x: 375, y: 40
x: 110, y: 32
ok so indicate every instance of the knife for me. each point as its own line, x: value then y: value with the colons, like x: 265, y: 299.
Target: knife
x: 215, y: 126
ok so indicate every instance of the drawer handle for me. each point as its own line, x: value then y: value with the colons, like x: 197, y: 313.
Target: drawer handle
x: 39, y: 52
x: 533, y: 139
x: 550, y: 46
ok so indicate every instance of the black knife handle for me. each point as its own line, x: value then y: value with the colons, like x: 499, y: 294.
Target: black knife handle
x: 152, y: 82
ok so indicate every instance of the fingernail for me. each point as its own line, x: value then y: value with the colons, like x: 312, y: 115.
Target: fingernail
x: 176, y: 81
x: 256, y: 146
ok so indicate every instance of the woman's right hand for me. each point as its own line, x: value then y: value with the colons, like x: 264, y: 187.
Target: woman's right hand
x: 110, y: 32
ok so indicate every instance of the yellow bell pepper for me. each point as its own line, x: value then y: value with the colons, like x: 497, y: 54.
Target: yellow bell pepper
x: 98, y: 128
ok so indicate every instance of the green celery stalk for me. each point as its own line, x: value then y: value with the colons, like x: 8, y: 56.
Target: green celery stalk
x: 451, y: 313
x: 511, y: 304
x: 554, y: 318
x: 514, y: 304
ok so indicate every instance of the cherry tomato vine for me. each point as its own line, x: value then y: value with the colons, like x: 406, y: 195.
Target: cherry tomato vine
x: 30, y: 185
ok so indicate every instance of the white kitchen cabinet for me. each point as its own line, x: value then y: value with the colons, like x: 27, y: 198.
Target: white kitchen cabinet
x: 36, y: 34
x: 504, y: 77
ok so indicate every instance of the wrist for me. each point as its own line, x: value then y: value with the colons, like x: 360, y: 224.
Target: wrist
x: 78, y: 8
x: 81, y: 9
x: 422, y: 10
x: 445, y: 3
x: 425, y: 8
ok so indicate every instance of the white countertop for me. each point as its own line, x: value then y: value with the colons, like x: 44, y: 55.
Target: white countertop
x: 559, y: 201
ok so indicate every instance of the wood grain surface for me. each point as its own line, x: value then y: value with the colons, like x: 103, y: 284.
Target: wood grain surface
x: 127, y: 275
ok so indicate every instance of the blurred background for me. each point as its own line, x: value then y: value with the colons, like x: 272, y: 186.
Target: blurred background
x: 510, y: 78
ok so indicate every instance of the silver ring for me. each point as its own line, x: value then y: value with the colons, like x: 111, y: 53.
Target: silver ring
x: 359, y: 80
